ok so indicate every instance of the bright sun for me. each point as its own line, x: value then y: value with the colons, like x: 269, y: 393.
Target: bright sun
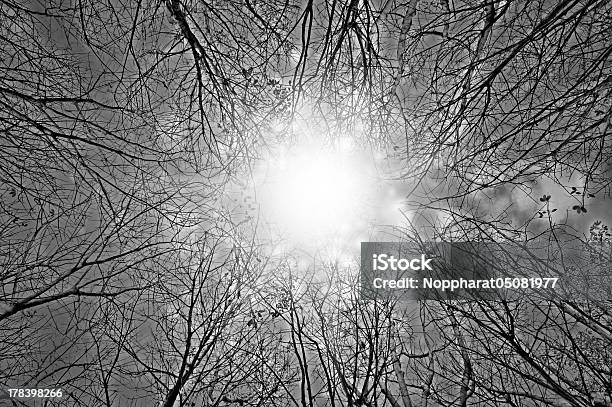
x: 310, y: 192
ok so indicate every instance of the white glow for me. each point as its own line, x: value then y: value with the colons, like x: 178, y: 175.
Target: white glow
x: 313, y: 193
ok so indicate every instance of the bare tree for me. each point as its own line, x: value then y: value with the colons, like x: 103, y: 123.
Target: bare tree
x: 130, y: 276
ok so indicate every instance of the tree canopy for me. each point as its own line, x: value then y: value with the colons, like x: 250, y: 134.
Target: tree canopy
x: 132, y: 267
